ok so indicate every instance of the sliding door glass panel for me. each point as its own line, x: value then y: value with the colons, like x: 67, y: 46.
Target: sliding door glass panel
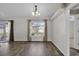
x: 37, y: 30
x: 4, y: 31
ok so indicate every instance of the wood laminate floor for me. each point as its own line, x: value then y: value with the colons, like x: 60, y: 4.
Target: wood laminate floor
x: 28, y: 49
x: 74, y: 52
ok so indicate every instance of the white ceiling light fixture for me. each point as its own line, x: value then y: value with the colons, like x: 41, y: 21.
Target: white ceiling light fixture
x: 35, y: 12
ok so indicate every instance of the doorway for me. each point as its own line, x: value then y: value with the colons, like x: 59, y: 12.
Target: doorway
x: 37, y: 30
x: 72, y: 34
x: 6, y: 30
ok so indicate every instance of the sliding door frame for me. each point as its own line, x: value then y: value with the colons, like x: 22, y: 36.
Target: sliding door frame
x: 28, y: 31
x: 11, y: 36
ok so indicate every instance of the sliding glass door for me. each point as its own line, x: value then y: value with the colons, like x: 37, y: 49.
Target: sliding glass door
x: 37, y: 30
x: 4, y: 31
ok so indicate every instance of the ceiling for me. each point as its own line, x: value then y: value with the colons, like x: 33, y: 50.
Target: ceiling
x: 24, y: 10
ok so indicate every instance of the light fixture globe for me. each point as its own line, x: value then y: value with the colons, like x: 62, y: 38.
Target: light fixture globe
x: 35, y: 12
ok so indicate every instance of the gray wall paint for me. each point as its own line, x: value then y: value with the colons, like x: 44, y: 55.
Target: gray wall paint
x: 59, y: 33
x: 49, y: 29
x: 20, y: 29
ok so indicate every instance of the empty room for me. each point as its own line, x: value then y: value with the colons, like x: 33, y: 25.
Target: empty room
x: 36, y: 29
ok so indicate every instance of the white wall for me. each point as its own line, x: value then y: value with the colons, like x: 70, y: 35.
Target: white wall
x: 59, y: 32
x: 20, y: 29
x: 49, y: 30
